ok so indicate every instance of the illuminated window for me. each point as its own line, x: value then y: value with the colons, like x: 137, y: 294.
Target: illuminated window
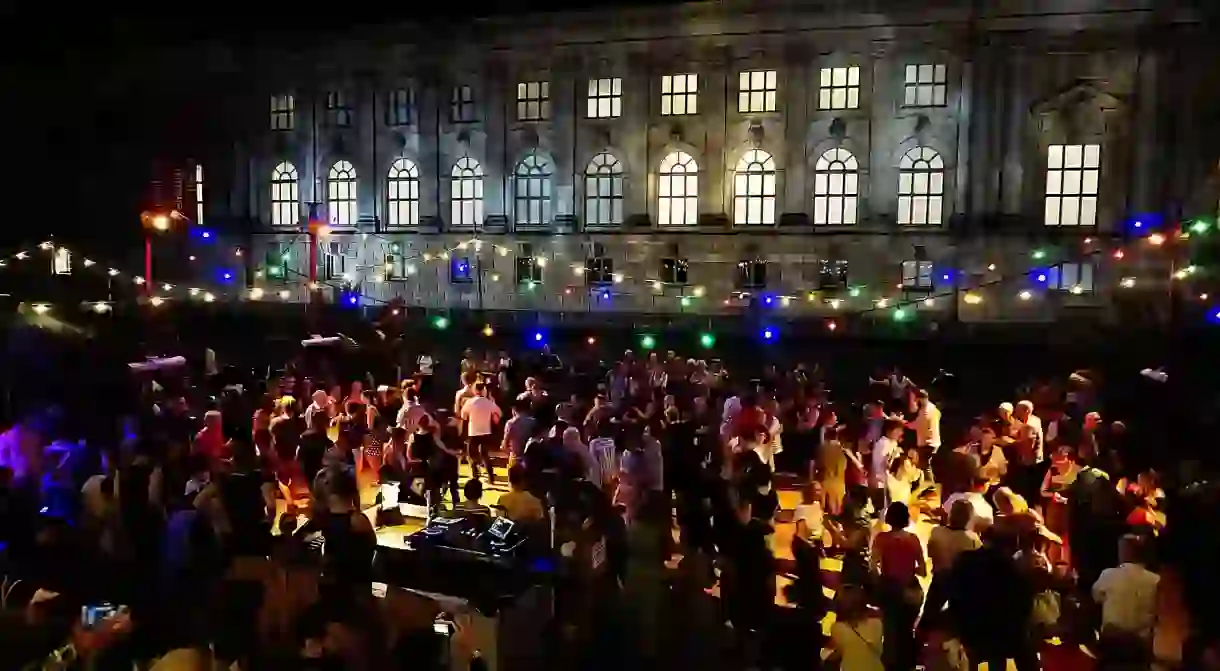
x: 533, y: 101
x: 61, y: 261
x: 604, y: 191
x: 916, y: 275
x: 528, y: 270
x: 284, y: 196
x: 752, y: 274
x: 679, y: 190
x: 756, y: 91
x: 836, y: 187
x: 605, y: 98
x: 1071, y: 277
x: 466, y: 193
x: 283, y: 112
x: 341, y: 261
x: 674, y: 271
x: 532, y: 191
x: 198, y: 194
x: 679, y: 94
x: 839, y: 88
x: 1073, y: 175
x: 921, y: 188
x: 925, y: 86
x: 403, y: 194
x: 461, y: 105
x: 599, y: 270
x: 338, y: 109
x: 341, y: 194
x: 461, y: 271
x: 832, y: 275
x: 754, y: 189
x: 400, y: 107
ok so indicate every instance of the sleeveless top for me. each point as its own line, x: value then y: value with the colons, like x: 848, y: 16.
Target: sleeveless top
x: 242, y: 497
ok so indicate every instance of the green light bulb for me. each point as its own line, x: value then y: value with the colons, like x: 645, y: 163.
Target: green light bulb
x: 1038, y: 254
x: 899, y: 314
x: 648, y: 342
x: 707, y: 340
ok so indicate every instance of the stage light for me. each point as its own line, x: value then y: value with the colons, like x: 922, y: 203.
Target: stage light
x: 488, y: 331
x: 226, y: 276
x: 707, y: 340
x: 991, y: 267
x: 393, y: 313
x: 834, y: 303
x: 502, y: 251
x: 440, y: 323
x: 785, y: 301
x: 618, y: 278
x: 945, y: 277
x: 463, y: 245
x: 540, y: 261
x: 605, y: 295
x: 353, y: 299
x: 156, y: 301
x: 112, y: 272
x: 167, y: 287
x: 100, y: 307
x: 929, y: 302
x: 206, y: 235
x: 237, y: 252
x: 567, y: 291
x: 854, y: 292
x: 495, y: 277
x: 1118, y: 255
x: 647, y: 342
x: 883, y: 302
x: 138, y: 280
x: 194, y: 291
x: 768, y: 299
x: 699, y: 292
x: 1199, y: 226
x: 1076, y: 290
x: 972, y: 298
x: 88, y: 263
x: 831, y: 325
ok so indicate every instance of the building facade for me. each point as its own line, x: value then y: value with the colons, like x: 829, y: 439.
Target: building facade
x: 705, y: 157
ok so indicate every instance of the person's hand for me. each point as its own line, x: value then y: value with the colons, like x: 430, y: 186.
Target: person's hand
x: 463, y: 637
x: 91, y: 640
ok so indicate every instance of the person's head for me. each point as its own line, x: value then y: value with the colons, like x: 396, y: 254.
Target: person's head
x: 480, y: 389
x: 1004, y: 412
x: 516, y: 477
x: 1130, y: 549
x: 425, y: 424
x: 343, y: 492
x: 357, y: 389
x: 320, y: 398
x: 212, y: 419
x: 473, y: 490
x: 892, y: 428
x: 851, y: 603
x: 960, y: 515
x: 987, y: 436
x: 318, y: 422
x: 1024, y: 410
x: 812, y: 494
x: 921, y: 397
x: 571, y: 438
x: 898, y: 516
x: 1008, y: 502
x: 245, y: 455
x: 531, y: 384
x: 469, y: 378
x: 1092, y: 421
x: 398, y: 435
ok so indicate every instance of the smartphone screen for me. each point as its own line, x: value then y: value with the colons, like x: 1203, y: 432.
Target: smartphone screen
x: 93, y: 614
x: 379, y: 589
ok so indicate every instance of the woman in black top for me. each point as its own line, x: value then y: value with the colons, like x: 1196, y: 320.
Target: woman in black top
x: 241, y: 504
x: 347, y: 563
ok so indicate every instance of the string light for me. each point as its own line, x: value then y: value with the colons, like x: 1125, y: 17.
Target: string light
x: 1126, y: 282
x: 156, y: 301
x: 488, y: 331
x: 40, y: 308
x: 972, y: 298
x: 1156, y: 239
x: 138, y: 280
x: 1025, y: 295
x: 929, y: 302
x: 256, y: 294
x: 167, y: 287
x: 209, y: 297
x: 285, y: 294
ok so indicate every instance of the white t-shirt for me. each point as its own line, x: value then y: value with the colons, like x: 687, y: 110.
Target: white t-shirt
x: 425, y: 364
x: 884, y: 451
x: 814, y: 517
x: 1127, y: 596
x: 479, y: 411
x: 983, y: 516
x: 927, y: 426
x: 859, y: 644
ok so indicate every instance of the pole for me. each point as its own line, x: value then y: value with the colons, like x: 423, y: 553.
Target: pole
x: 147, y: 263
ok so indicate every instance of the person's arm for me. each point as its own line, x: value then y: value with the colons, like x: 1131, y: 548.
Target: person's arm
x: 204, y: 498
x: 156, y: 487
x: 268, y: 491
x: 1045, y: 489
x: 874, y: 556
x: 496, y: 414
x: 921, y: 562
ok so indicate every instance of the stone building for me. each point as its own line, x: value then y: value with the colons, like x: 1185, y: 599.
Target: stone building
x: 811, y: 157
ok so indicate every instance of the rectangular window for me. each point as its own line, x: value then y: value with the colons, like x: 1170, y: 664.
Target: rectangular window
x: 528, y: 269
x: 277, y: 262
x: 599, y: 270
x: 283, y: 112
x: 839, y: 88
x: 461, y: 105
x: 460, y: 270
x: 400, y: 107
x: 924, y: 86
x: 61, y: 262
x: 340, y: 258
x: 338, y: 109
x: 392, y: 266
x: 1076, y: 278
x: 533, y: 101
x: 832, y: 275
x: 756, y: 91
x: 917, y: 275
x: 752, y: 274
x: 1073, y: 181
x: 679, y: 94
x: 674, y: 271
x: 605, y: 98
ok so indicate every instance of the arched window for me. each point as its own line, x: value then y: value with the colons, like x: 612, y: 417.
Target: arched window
x: 836, y: 188
x: 921, y: 188
x: 403, y: 194
x: 532, y: 190
x: 604, y: 191
x: 285, y: 196
x: 341, y: 194
x: 679, y: 190
x: 754, y: 189
x: 466, y: 193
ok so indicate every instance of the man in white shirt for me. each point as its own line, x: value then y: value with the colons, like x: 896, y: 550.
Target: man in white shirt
x: 885, y: 450
x: 926, y: 423
x: 984, y: 515
x: 1024, y: 412
x: 321, y: 403
x: 425, y: 365
x: 1127, y: 597
x: 481, y: 414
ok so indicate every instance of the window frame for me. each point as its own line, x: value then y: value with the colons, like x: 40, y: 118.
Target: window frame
x: 1057, y: 179
x: 607, y: 171
x: 668, y: 176
x: 916, y: 163
x: 275, y: 260
x: 1081, y: 271
x: 540, y: 100
x: 527, y: 270
x: 917, y: 275
x: 752, y: 274
x: 535, y: 171
x: 401, y: 108
x: 280, y: 207
x: 935, y: 84
x: 599, y: 271
x: 462, y: 104
x: 829, y: 87
x: 688, y: 97
x: 753, y: 169
x: 342, y: 204
x: 454, y: 277
x: 612, y: 98
x: 827, y: 179
x: 833, y: 275
x: 283, y: 112
x: 466, y: 164
x: 199, y: 194
x: 754, y: 97
x: 675, y: 271
x: 335, y: 270
x: 395, y: 182
x: 338, y: 109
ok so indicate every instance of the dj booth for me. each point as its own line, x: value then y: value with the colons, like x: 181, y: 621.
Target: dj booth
x: 487, y: 568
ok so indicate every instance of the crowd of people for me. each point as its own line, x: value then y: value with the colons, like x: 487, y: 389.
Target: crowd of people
x: 951, y: 543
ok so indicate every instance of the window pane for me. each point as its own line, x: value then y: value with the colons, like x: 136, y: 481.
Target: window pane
x: 1092, y: 156
x: 1089, y: 186
x: 853, y: 76
x: 825, y: 78
x: 1055, y: 156
x: 1073, y: 155
x: 1070, y: 211
x: 1088, y: 211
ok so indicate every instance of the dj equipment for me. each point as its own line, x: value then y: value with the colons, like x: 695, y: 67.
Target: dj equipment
x: 472, y: 537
